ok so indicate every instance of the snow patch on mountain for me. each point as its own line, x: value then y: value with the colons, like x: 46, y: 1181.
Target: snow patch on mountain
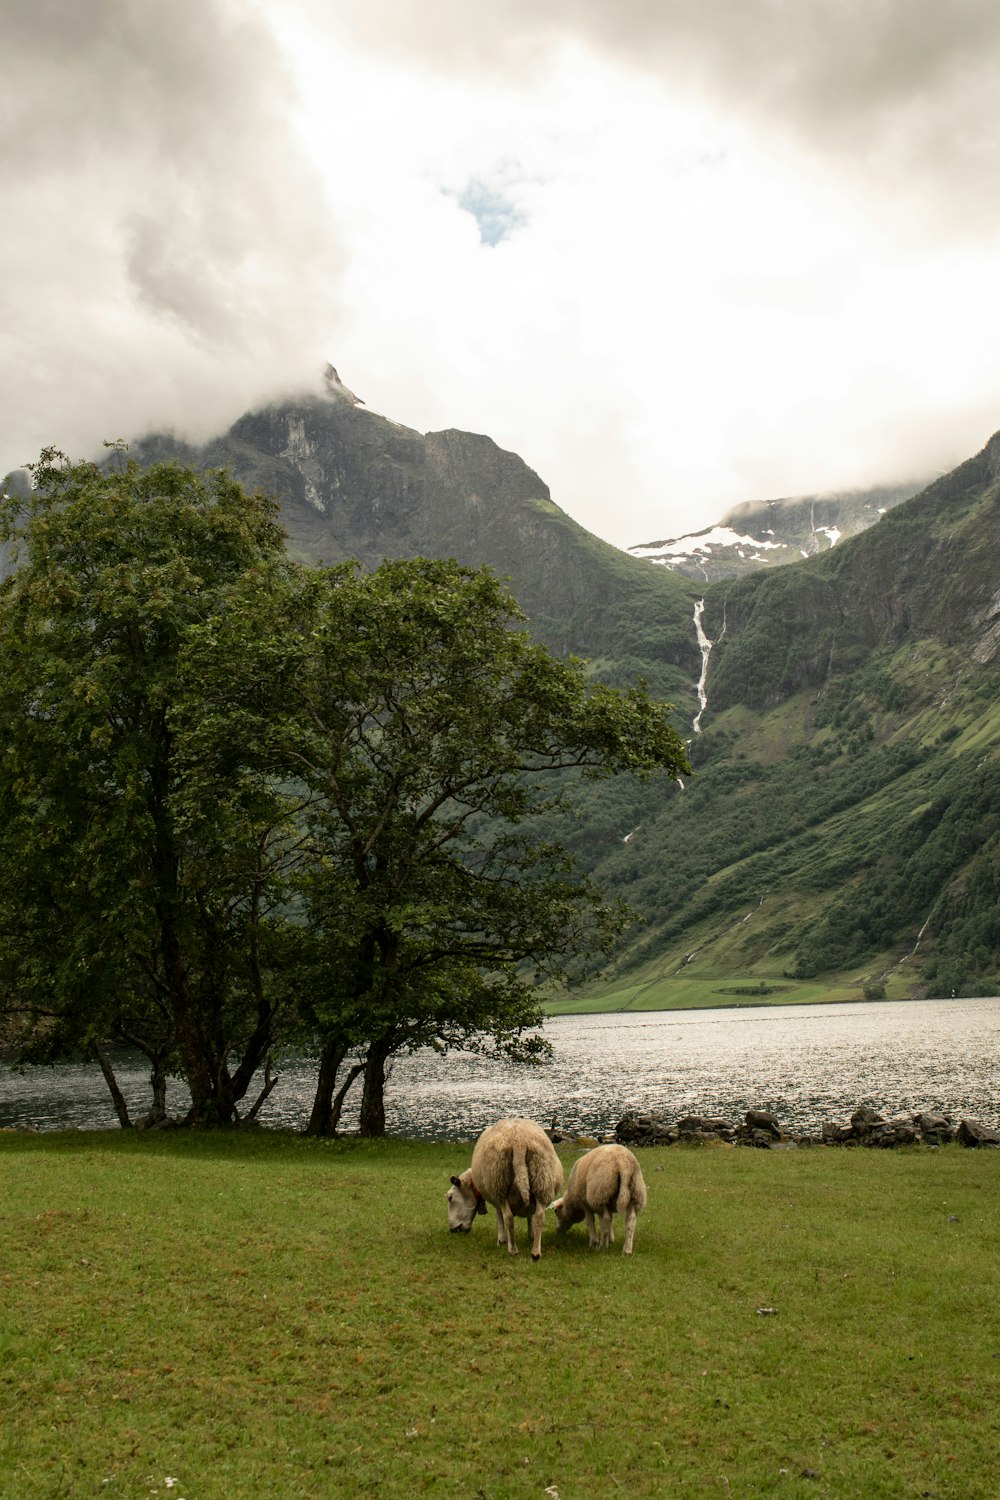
x: 701, y: 543
x: 759, y: 534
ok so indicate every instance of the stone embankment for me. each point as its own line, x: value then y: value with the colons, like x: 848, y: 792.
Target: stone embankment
x: 761, y: 1128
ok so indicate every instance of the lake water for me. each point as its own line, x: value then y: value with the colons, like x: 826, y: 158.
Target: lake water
x: 808, y: 1063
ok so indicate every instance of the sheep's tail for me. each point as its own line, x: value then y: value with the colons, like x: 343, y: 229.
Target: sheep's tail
x: 626, y: 1194
x: 520, y: 1165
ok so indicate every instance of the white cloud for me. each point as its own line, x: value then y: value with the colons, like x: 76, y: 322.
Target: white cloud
x: 166, y: 253
x: 737, y: 255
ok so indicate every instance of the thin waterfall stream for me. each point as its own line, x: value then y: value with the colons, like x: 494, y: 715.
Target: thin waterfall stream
x: 705, y: 646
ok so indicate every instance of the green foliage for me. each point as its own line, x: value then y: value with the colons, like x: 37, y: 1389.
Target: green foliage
x: 136, y: 900
x: 431, y: 729
x: 738, y: 827
x: 241, y: 798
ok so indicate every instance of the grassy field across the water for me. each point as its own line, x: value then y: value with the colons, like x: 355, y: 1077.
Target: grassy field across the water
x: 695, y: 992
x: 250, y: 1316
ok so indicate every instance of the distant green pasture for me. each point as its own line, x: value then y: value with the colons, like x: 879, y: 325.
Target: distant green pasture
x: 670, y: 993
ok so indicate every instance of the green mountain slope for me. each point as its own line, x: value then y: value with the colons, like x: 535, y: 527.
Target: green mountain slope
x: 843, y: 825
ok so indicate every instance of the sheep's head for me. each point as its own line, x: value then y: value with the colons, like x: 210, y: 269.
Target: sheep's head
x: 464, y: 1202
x: 565, y: 1216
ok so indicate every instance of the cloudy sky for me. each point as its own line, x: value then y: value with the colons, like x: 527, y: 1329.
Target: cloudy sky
x: 675, y: 253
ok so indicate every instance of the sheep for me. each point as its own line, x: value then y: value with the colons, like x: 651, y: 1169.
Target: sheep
x: 606, y: 1181
x: 514, y: 1167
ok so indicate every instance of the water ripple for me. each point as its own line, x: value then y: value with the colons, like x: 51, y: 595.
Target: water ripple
x: 807, y: 1063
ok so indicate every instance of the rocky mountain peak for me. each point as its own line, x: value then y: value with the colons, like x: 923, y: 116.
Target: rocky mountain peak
x: 337, y: 390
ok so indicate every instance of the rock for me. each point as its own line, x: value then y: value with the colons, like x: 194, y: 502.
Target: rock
x: 703, y: 1125
x: 644, y: 1130
x: 971, y: 1133
x: 935, y: 1129
x: 863, y: 1118
x: 762, y: 1119
x: 891, y: 1133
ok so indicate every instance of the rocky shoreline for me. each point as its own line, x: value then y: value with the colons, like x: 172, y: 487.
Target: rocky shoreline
x: 762, y: 1129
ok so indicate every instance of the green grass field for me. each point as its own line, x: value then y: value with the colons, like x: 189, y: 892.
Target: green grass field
x: 249, y: 1316
x: 698, y: 992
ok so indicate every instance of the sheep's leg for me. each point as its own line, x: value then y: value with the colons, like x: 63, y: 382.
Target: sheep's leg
x: 630, y: 1219
x: 508, y: 1235
x: 501, y: 1228
x: 537, y: 1221
x: 591, y: 1228
x: 606, y: 1233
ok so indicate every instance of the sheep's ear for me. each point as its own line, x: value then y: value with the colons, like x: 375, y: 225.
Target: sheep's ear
x: 555, y: 1205
x: 480, y: 1205
x: 456, y: 1182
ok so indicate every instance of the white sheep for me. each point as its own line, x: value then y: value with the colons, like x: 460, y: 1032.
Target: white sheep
x: 606, y: 1181
x: 515, y: 1168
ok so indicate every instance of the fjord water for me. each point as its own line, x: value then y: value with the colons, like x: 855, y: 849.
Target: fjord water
x: 808, y: 1063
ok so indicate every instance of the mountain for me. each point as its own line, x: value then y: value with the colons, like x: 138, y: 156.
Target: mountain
x: 842, y: 829
x: 764, y: 533
x: 353, y: 484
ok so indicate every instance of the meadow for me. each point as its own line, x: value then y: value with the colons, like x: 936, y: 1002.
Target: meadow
x: 253, y: 1314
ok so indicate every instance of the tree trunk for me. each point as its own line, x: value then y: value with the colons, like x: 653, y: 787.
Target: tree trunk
x: 157, y: 1052
x: 207, y: 1105
x: 327, y: 1106
x: 270, y: 1080
x: 158, y: 1084
x: 330, y: 1059
x: 373, y: 1099
x: 118, y: 1098
x: 356, y: 1069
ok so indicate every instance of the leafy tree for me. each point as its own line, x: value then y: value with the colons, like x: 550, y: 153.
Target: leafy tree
x: 237, y: 795
x: 434, y: 731
x: 140, y: 885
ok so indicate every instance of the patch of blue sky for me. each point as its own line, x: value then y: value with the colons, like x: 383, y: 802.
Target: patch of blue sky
x: 495, y: 214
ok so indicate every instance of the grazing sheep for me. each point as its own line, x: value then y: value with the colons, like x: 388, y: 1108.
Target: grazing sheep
x: 514, y: 1167
x: 606, y: 1181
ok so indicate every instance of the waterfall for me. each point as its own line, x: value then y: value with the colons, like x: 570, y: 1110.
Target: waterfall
x: 899, y: 964
x: 705, y: 646
x: 919, y: 936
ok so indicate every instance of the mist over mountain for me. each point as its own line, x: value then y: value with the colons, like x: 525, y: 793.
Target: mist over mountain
x: 841, y: 831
